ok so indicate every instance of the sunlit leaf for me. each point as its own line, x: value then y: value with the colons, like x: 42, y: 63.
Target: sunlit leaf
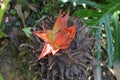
x: 1, y: 78
x: 3, y: 7
x: 27, y: 31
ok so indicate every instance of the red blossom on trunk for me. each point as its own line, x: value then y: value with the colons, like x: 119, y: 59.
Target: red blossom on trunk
x: 58, y: 38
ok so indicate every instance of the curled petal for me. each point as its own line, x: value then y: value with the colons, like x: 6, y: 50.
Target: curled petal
x: 64, y: 20
x: 47, y: 50
x: 71, y: 31
x: 58, y: 23
x: 44, y: 35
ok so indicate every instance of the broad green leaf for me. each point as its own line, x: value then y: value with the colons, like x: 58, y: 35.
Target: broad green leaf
x: 101, y: 17
x: 1, y: 78
x: 27, y: 31
x: 106, y: 21
x: 93, y: 16
x: 116, y: 35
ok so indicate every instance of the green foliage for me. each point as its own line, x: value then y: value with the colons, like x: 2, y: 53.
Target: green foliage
x: 1, y: 33
x: 80, y: 2
x: 106, y: 21
x: 97, y: 16
x: 101, y: 17
x: 116, y: 34
x: 2, y: 10
x: 23, y: 9
x: 1, y: 78
x: 12, y: 11
x: 27, y: 31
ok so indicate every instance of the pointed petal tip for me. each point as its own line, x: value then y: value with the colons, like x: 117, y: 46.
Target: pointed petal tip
x: 39, y: 58
x: 72, y: 27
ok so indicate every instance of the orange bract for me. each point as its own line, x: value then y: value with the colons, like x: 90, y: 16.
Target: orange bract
x: 58, y: 38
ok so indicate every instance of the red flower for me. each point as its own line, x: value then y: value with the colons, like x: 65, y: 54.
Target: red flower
x: 58, y: 38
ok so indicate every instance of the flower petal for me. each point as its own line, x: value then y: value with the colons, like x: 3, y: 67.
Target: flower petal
x: 58, y: 23
x: 71, y: 31
x: 64, y: 20
x: 61, y: 23
x: 60, y: 37
x: 44, y: 35
x: 46, y: 50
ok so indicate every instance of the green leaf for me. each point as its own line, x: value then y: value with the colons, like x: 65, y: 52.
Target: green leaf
x: 93, y: 16
x: 27, y: 31
x: 2, y: 34
x: 116, y: 35
x: 105, y: 20
x: 80, y: 2
x: 12, y: 11
x: 1, y: 78
x: 110, y: 48
x: 3, y: 7
x: 101, y: 17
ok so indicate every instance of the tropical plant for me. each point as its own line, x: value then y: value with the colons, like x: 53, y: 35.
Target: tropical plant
x: 100, y: 15
x: 103, y: 19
